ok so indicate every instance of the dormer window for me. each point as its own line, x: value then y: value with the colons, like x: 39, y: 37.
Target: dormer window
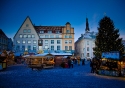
x: 49, y: 31
x: 41, y: 31
x: 57, y: 31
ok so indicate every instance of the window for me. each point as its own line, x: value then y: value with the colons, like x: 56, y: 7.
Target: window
x: 24, y: 41
x: 57, y: 36
x: 66, y: 47
x: 51, y: 36
x: 29, y: 30
x: 67, y: 31
x: 21, y: 36
x: 18, y: 41
x: 70, y: 41
x: 23, y: 48
x: 87, y: 48
x: 29, y: 41
x: 52, y: 41
x: 46, y: 46
x: 66, y: 36
x: 70, y: 36
x: 87, y: 42
x: 27, y: 25
x: 58, y: 47
x: 57, y: 31
x: 49, y: 31
x: 29, y: 47
x: 87, y: 54
x: 29, y: 36
x: 41, y: 31
x: 58, y: 41
x: 25, y: 36
x: 70, y: 47
x: 41, y: 36
x: 52, y: 47
x: 46, y: 41
x: 34, y: 41
x: 66, y: 41
x: 17, y: 48
x: 33, y: 36
x: 25, y: 30
x: 46, y: 36
x: 34, y: 47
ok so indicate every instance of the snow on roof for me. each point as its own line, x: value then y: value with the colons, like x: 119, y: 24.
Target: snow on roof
x: 54, y: 54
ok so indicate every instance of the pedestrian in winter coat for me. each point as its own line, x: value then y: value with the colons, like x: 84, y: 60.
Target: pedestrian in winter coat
x: 72, y: 63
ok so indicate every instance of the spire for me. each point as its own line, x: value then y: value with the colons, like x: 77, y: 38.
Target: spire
x: 87, y: 25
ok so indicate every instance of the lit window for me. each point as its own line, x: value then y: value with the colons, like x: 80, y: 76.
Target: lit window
x: 52, y: 47
x: 29, y: 30
x: 25, y: 30
x: 70, y: 41
x: 52, y: 41
x: 29, y: 41
x: 34, y: 47
x: 66, y: 41
x: 66, y: 47
x: 46, y: 41
x: 25, y: 36
x: 34, y: 41
x: 70, y: 47
x: 18, y: 41
x: 29, y: 36
x: 33, y: 36
x: 58, y: 47
x: 21, y: 36
x: 24, y: 41
x: 67, y: 31
x: 46, y: 46
x: 51, y: 36
x: 58, y: 41
x: 46, y: 36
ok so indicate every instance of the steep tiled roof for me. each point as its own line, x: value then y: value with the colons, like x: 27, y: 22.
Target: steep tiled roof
x: 48, y: 27
x: 2, y: 33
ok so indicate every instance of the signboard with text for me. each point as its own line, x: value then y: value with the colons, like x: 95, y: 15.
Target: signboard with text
x: 112, y: 55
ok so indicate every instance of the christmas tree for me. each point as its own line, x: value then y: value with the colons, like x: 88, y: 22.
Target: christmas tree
x: 107, y: 38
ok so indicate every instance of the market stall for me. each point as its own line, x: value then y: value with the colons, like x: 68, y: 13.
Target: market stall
x: 111, y: 64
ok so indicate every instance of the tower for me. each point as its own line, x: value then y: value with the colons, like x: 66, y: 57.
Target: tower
x: 87, y: 25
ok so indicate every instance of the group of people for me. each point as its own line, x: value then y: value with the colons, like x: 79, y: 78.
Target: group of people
x: 94, y: 64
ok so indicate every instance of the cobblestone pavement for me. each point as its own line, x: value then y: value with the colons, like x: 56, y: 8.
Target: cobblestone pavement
x: 20, y: 76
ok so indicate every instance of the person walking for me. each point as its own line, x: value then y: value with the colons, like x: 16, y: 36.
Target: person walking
x: 83, y: 62
x: 72, y: 63
x: 69, y: 62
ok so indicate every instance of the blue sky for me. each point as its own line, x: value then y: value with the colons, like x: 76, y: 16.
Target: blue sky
x: 58, y: 12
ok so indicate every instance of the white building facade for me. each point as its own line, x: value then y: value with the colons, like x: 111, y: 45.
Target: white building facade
x: 85, y: 44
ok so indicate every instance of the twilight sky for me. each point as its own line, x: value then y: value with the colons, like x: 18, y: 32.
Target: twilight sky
x: 58, y: 12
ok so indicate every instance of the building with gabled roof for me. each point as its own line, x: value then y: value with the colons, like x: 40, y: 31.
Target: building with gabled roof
x: 33, y: 38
